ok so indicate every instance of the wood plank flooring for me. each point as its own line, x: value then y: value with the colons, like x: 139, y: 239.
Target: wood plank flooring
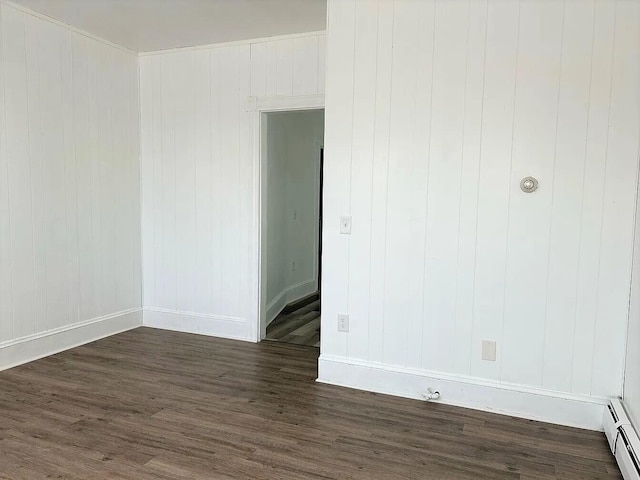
x: 299, y: 323
x: 153, y: 404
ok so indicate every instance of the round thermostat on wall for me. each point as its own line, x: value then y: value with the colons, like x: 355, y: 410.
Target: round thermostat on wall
x: 529, y: 184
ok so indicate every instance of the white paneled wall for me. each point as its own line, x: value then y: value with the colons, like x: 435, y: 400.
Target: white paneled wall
x: 69, y: 182
x: 435, y: 112
x: 631, y: 394
x: 199, y: 177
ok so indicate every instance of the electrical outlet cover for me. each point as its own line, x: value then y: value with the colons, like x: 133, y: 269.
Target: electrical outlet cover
x: 489, y: 350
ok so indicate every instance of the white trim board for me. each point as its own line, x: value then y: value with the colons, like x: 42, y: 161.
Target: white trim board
x: 33, y: 347
x: 508, y: 399
x: 290, y: 294
x: 279, y: 104
x: 198, y: 323
x: 233, y: 43
x: 257, y: 106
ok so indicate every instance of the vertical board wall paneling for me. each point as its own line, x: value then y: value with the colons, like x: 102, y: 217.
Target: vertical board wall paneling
x: 445, y: 155
x: 19, y: 174
x: 621, y: 174
x: 469, y: 185
x: 364, y: 117
x: 462, y: 111
x: 631, y: 392
x: 535, y: 121
x: 6, y: 301
x: 494, y: 181
x: 567, y: 194
x: 338, y: 146
x: 70, y: 234
x: 380, y: 170
x: 198, y: 175
x: 401, y: 142
x: 286, y: 67
x: 420, y: 165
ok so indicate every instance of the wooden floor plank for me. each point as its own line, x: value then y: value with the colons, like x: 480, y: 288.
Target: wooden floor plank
x: 153, y: 404
x: 298, y: 323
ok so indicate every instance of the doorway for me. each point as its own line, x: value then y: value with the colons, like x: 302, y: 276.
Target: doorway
x: 292, y: 154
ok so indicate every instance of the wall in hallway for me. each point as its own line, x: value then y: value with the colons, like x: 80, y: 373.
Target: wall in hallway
x: 292, y: 224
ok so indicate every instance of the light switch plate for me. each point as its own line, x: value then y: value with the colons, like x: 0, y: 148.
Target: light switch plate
x: 489, y: 350
x: 343, y: 322
x: 345, y: 224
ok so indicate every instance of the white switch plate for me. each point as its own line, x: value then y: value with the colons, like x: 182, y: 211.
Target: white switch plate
x: 489, y: 350
x: 343, y: 322
x: 345, y: 224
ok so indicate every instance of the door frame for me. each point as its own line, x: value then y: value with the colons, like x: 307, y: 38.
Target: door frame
x: 258, y: 107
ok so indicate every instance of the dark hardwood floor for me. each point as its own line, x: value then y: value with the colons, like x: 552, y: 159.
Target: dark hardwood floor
x: 298, y: 323
x: 152, y: 404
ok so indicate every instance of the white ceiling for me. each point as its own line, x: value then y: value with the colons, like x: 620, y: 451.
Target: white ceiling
x: 147, y: 25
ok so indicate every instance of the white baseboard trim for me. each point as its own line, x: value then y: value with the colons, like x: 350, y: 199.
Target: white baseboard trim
x: 198, y: 323
x: 288, y: 295
x: 26, y: 349
x: 508, y: 399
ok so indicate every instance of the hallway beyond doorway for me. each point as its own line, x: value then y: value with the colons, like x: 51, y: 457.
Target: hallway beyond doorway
x: 298, y: 323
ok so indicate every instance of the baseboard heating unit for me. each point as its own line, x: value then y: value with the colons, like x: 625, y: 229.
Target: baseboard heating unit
x: 623, y: 439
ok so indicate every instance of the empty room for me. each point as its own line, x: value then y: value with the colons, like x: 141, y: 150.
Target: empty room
x: 320, y: 239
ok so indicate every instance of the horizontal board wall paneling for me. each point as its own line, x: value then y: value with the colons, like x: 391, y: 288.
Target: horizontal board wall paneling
x: 616, y: 248
x: 290, y: 66
x: 338, y: 150
x: 535, y: 126
x: 69, y: 183
x: 537, y: 273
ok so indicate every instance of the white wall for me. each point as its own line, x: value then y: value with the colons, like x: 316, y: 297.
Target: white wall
x: 434, y: 112
x: 292, y: 223
x: 631, y: 395
x: 199, y: 179
x: 69, y: 188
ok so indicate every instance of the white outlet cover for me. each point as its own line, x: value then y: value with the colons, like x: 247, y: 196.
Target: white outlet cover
x: 489, y: 350
x: 343, y: 322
